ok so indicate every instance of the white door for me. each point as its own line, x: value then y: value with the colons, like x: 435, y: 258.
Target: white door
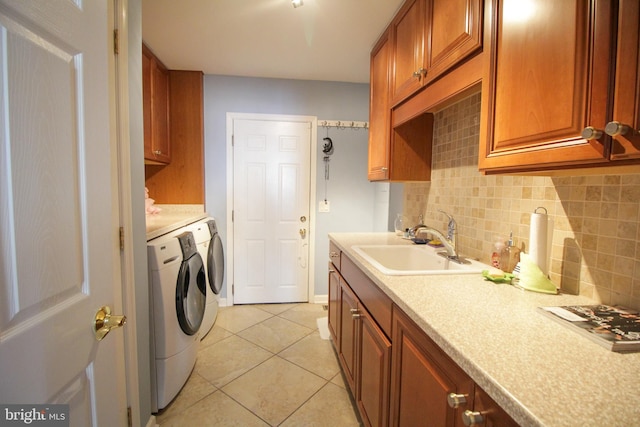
x: 271, y: 210
x: 58, y: 211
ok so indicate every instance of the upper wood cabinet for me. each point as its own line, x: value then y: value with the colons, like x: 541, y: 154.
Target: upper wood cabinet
x: 155, y: 98
x: 379, y: 110
x: 429, y: 37
x: 547, y: 88
x: 625, y: 126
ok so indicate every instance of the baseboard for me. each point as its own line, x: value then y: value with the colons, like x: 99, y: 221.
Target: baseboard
x: 317, y: 299
x: 321, y: 299
x: 152, y: 422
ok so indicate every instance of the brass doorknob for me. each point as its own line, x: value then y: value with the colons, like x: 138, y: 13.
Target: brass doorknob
x: 105, y: 321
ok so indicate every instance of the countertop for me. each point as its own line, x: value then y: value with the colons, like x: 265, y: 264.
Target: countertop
x: 172, y: 217
x: 541, y: 372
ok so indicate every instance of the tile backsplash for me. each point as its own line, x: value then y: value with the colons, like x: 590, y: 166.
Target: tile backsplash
x: 596, y: 237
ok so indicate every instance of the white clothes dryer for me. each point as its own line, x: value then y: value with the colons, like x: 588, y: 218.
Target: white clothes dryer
x: 177, y: 297
x: 210, y: 248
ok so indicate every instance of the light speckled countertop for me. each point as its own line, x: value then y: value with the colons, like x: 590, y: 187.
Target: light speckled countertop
x: 172, y: 217
x: 542, y: 373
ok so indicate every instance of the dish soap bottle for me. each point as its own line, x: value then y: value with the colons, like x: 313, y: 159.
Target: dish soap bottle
x: 510, y: 256
x: 497, y: 252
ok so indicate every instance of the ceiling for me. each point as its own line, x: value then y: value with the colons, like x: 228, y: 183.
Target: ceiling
x: 322, y: 40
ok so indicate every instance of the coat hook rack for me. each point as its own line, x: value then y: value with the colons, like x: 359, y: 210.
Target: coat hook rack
x: 343, y: 124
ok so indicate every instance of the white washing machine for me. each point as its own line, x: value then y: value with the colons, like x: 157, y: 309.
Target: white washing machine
x: 177, y: 296
x: 210, y: 248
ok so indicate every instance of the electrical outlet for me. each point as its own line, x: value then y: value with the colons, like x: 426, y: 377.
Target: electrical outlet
x: 324, y: 206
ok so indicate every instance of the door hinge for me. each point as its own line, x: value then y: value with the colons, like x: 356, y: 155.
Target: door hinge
x: 121, y: 238
x: 129, y: 420
x: 233, y: 215
x: 233, y: 289
x: 116, y: 47
x: 233, y: 140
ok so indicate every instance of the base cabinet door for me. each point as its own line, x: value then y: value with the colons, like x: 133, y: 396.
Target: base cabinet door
x: 373, y: 372
x: 334, y: 303
x: 487, y: 412
x: 348, y: 334
x: 422, y: 377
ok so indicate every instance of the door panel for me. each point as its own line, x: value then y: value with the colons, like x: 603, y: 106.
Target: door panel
x: 271, y: 194
x: 58, y: 211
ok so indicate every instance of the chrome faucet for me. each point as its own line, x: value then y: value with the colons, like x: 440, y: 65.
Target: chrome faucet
x: 449, y: 242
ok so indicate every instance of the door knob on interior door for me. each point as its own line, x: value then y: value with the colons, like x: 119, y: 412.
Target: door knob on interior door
x: 303, y: 232
x: 105, y: 321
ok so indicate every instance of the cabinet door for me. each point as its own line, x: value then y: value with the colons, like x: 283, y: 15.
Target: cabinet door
x: 546, y: 78
x: 372, y: 395
x: 492, y: 414
x: 408, y: 49
x: 348, y: 333
x: 626, y: 110
x: 422, y: 377
x: 334, y: 305
x: 160, y: 112
x: 379, y: 110
x: 454, y: 32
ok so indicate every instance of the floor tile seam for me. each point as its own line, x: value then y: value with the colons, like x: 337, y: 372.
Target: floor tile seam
x: 183, y: 412
x: 296, y: 342
x: 304, y: 403
x: 297, y: 323
x: 244, y: 407
x: 302, y: 367
x: 256, y: 344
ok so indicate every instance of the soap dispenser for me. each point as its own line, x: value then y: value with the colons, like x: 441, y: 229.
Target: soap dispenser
x: 510, y: 256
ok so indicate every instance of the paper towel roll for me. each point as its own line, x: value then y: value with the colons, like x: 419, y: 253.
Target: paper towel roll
x: 540, y: 237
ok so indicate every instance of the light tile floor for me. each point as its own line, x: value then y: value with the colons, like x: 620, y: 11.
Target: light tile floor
x: 264, y: 365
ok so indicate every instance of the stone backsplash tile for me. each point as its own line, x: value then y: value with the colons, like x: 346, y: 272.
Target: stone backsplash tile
x: 596, y: 238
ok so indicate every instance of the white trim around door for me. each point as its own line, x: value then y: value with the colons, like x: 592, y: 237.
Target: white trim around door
x: 230, y: 187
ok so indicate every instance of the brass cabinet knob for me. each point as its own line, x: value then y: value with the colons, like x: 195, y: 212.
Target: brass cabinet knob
x: 471, y: 418
x: 616, y: 128
x: 590, y: 133
x: 455, y: 400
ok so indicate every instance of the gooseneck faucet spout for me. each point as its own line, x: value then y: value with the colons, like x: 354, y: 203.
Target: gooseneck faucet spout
x: 449, y: 242
x: 452, y: 231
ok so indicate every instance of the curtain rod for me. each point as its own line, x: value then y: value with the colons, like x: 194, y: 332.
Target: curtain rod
x: 343, y: 124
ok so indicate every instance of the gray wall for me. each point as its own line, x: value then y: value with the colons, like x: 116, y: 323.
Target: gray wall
x: 351, y: 196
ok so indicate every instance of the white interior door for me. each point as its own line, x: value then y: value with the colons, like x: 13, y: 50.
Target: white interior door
x: 271, y: 211
x: 59, y: 247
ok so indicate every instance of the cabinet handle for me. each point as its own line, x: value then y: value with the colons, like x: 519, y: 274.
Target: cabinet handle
x: 355, y: 313
x: 591, y: 134
x: 331, y: 270
x: 455, y: 400
x: 419, y: 73
x: 471, y: 418
x: 334, y: 254
x: 616, y: 128
x: 384, y: 169
x: 157, y: 152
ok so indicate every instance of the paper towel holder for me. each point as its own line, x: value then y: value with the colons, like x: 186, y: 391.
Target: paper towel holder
x: 540, y: 207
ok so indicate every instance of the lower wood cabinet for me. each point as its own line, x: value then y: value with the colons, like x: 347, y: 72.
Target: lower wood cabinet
x: 422, y: 377
x: 429, y: 389
x: 364, y: 351
x: 410, y: 383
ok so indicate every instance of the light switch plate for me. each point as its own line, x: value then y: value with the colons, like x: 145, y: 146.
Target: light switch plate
x: 324, y: 206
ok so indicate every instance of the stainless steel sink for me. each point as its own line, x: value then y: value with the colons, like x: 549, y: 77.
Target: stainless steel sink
x: 409, y: 260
